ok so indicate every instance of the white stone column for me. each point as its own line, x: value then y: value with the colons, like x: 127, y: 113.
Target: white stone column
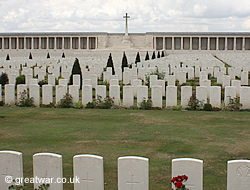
x: 182, y: 43
x: 243, y: 43
x: 191, y: 43
x: 62, y: 42
x: 172, y: 43
x: 226, y: 43
x: 235, y: 44
x: 87, y: 42
x: 96, y: 43
x: 47, y: 45
x: 70, y: 43
x: 208, y: 43
x: 199, y: 43
x: 217, y: 43
x: 164, y: 43
x: 17, y: 43
x: 155, y: 43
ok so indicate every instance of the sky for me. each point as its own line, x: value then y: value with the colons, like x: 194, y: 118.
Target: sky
x: 107, y: 15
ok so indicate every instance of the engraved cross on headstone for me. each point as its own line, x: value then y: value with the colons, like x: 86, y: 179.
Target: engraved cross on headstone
x: 132, y: 182
x: 126, y: 26
x: 88, y: 180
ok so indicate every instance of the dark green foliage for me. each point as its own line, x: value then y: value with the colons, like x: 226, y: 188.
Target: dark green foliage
x: 111, y: 64
x: 42, y: 82
x: 8, y: 57
x: 105, y: 104
x: 43, y: 187
x: 48, y: 56
x: 24, y: 100
x: 20, y: 79
x: 194, y: 103
x: 30, y: 56
x: 162, y: 54
x: 137, y: 59
x: 146, y: 105
x: 1, y: 103
x: 66, y: 101
x: 234, y: 104
x: 158, y: 55
x: 208, y: 107
x: 153, y: 56
x: 16, y: 187
x: 63, y: 55
x: 76, y: 70
x: 124, y: 61
x: 4, y: 79
x: 147, y: 56
x: 90, y: 105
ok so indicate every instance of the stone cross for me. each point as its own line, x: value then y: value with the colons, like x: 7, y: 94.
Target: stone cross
x: 88, y: 180
x: 126, y: 31
x: 132, y: 182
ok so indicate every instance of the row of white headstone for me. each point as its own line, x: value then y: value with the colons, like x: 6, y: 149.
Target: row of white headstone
x: 203, y: 93
x: 133, y: 172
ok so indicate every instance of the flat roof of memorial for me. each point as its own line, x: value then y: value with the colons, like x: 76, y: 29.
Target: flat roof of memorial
x: 106, y: 33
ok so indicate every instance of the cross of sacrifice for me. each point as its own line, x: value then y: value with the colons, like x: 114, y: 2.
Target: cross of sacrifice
x: 126, y: 26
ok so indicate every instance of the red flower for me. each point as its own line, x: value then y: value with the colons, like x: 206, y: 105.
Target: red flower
x: 178, y: 184
x: 88, y: 69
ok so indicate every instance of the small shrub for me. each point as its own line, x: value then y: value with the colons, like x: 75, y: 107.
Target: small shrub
x: 1, y: 103
x: 146, y: 105
x: 194, y: 103
x: 216, y: 109
x: 24, y: 100
x: 208, y: 107
x: 234, y: 104
x: 177, y: 108
x: 105, y: 104
x: 42, y: 82
x: 90, y: 105
x: 160, y: 75
x: 134, y: 107
x: 66, y: 101
x: 78, y: 105
x: 20, y: 79
x: 4, y: 79
x: 43, y: 187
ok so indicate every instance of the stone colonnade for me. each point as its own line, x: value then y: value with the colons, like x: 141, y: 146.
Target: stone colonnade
x: 202, y: 43
x: 88, y: 43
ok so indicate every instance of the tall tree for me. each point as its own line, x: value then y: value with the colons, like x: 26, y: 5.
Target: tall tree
x: 76, y: 70
x: 48, y: 56
x: 111, y: 64
x: 63, y: 55
x: 124, y: 61
x: 153, y: 56
x: 147, y: 56
x: 8, y: 57
x: 138, y: 58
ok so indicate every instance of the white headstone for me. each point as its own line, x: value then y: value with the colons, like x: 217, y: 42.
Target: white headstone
x: 128, y: 96
x: 226, y: 81
x: 74, y: 92
x: 171, y: 80
x: 171, y: 96
x: 48, y: 165
x: 126, y: 77
x: 86, y: 82
x: 89, y: 170
x: 86, y: 94
x: 51, y: 80
x: 156, y: 94
x: 114, y: 93
x: 201, y: 93
x: 94, y: 80
x: 193, y: 168
x: 133, y: 173
x: 77, y: 80
x: 135, y: 84
x: 35, y: 94
x: 21, y: 90
x: 236, y: 84
x: 186, y: 93
x: 142, y: 94
x: 114, y: 82
x: 238, y: 175
x: 11, y: 167
x: 101, y: 92
x: 245, y: 97
x: 60, y: 92
x: 47, y: 94
x: 244, y: 78
x: 230, y: 93
x: 152, y: 80
x: 215, y: 96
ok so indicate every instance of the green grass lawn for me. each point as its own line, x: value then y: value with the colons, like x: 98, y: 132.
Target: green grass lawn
x: 214, y: 137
